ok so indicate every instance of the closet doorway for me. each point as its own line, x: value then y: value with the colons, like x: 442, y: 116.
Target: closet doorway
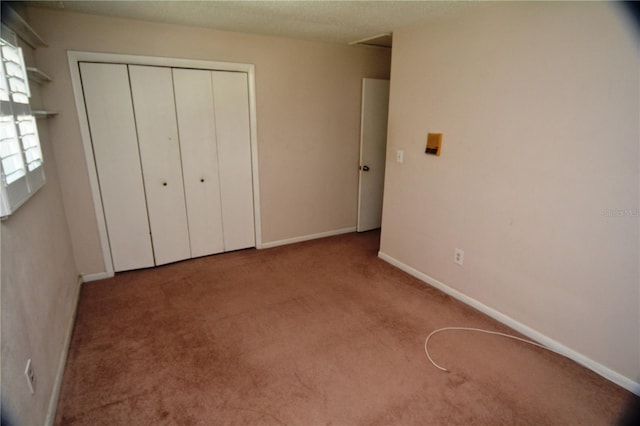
x: 171, y: 153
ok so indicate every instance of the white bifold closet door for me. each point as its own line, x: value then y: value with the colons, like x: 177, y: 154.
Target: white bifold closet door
x: 213, y: 117
x: 173, y: 158
x: 196, y: 118
x: 115, y: 147
x: 231, y: 94
x: 155, y: 113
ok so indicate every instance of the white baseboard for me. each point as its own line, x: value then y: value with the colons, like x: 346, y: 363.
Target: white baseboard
x: 308, y: 237
x: 581, y: 359
x: 62, y: 362
x: 95, y: 277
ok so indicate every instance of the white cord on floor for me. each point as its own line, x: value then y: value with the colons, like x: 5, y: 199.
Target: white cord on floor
x: 479, y: 330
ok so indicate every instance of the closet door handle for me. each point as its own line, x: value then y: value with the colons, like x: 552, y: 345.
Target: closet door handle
x: 164, y: 183
x: 202, y: 180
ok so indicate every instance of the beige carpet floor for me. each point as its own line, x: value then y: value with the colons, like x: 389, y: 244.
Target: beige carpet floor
x: 315, y: 333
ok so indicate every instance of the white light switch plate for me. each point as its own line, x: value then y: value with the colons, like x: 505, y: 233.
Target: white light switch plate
x: 400, y: 156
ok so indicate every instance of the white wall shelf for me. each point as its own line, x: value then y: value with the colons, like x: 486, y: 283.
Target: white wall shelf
x: 37, y: 76
x: 40, y: 113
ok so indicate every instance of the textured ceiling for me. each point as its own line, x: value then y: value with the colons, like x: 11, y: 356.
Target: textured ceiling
x: 329, y: 21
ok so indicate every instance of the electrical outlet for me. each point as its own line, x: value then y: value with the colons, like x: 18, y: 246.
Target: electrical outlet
x: 31, y: 376
x: 458, y: 256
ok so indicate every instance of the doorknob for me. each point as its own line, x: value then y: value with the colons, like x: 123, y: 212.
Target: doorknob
x: 365, y: 168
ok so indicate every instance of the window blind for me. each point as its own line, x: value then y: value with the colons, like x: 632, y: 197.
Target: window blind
x: 21, y: 160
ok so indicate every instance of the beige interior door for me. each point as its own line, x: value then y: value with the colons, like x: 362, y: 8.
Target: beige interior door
x: 373, y: 145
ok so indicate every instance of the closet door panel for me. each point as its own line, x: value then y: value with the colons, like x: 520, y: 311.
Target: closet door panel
x: 115, y: 147
x: 154, y: 107
x: 197, y: 129
x: 231, y: 104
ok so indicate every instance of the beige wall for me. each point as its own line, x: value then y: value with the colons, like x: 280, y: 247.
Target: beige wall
x: 308, y: 108
x: 39, y: 290
x: 539, y: 106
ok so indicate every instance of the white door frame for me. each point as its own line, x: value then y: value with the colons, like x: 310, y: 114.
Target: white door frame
x: 75, y: 57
